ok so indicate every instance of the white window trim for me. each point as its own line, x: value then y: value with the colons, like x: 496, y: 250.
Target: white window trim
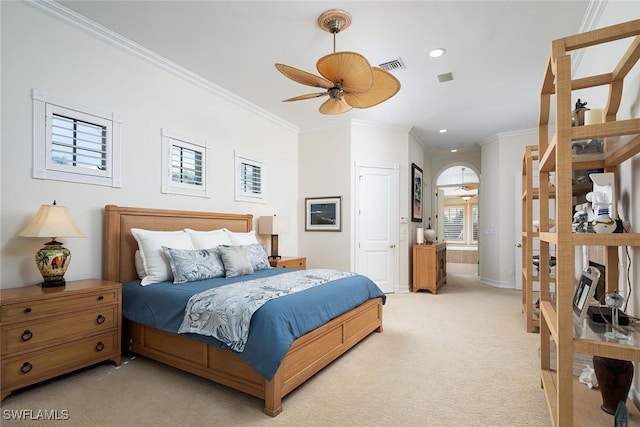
x: 242, y: 196
x: 171, y: 139
x: 42, y: 167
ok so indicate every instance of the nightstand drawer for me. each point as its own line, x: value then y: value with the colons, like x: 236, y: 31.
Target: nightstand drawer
x: 299, y: 263
x: 33, y: 367
x: 31, y: 310
x: 22, y: 337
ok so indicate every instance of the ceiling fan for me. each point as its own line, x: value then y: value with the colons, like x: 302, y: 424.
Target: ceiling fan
x: 350, y: 81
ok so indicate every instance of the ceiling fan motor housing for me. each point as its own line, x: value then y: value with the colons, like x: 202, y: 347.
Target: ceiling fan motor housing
x: 334, y: 20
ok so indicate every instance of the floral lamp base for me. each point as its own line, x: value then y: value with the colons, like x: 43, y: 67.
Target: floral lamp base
x: 52, y: 261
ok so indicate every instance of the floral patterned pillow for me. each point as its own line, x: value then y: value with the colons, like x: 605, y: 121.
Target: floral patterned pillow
x: 257, y: 256
x: 194, y: 265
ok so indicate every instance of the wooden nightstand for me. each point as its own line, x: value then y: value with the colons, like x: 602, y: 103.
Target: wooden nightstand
x: 47, y: 332
x: 299, y: 263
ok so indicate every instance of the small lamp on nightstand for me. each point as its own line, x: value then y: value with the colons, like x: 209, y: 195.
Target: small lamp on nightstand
x: 273, y: 225
x: 52, y: 221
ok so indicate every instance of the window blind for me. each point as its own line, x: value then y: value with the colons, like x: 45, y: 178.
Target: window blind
x: 186, y: 165
x: 78, y: 143
x: 250, y: 179
x: 454, y: 223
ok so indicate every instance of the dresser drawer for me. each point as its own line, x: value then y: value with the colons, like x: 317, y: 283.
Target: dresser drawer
x: 22, y: 337
x: 30, y: 368
x: 23, y: 311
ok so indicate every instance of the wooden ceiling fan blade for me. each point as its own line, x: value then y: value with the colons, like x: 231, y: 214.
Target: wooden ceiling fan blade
x: 304, y: 77
x: 334, y: 106
x: 307, y: 96
x: 385, y: 85
x: 350, y: 69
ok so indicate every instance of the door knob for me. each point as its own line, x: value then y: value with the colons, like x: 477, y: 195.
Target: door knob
x: 519, y: 245
x: 391, y: 245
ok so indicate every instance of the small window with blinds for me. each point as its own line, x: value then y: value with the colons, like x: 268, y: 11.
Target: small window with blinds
x: 249, y: 180
x: 74, y: 143
x: 454, y: 224
x: 184, y: 162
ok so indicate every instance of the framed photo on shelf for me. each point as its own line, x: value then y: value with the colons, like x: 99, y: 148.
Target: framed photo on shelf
x: 416, y: 193
x: 323, y: 213
x: 584, y: 292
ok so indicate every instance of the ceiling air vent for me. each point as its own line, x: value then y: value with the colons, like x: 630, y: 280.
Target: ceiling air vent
x: 446, y: 77
x: 396, y: 64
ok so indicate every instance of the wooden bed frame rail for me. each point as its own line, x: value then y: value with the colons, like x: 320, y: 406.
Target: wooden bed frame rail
x: 307, y: 355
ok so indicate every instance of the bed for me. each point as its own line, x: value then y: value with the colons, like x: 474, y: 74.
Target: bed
x: 307, y: 355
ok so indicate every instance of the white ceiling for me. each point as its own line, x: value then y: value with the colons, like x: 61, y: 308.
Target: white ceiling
x: 496, y: 51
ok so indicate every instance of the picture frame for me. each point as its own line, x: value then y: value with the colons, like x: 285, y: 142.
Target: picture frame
x: 416, y: 193
x: 323, y: 213
x: 583, y: 295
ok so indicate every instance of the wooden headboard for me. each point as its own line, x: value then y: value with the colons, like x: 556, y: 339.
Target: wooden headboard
x: 120, y: 246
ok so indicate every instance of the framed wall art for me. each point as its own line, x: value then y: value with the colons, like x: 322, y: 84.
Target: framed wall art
x: 323, y: 213
x: 416, y: 193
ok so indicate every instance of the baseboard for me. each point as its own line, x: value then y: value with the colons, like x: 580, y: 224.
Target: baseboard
x: 498, y: 284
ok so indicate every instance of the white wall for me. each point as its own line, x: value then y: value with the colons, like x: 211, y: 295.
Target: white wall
x: 41, y: 52
x: 325, y: 171
x: 327, y: 168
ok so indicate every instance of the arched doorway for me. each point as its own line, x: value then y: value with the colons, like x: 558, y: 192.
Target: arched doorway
x: 457, y: 190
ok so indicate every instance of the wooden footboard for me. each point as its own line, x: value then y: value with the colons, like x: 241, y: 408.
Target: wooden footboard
x: 308, y: 354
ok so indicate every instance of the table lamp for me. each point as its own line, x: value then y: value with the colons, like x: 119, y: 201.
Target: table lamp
x: 52, y: 221
x: 273, y: 225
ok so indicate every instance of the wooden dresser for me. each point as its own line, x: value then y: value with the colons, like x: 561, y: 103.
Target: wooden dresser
x: 429, y: 267
x: 47, y: 332
x: 299, y: 263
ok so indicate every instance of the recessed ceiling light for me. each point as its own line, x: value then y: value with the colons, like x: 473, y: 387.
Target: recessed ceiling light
x: 443, y: 131
x: 435, y: 53
x: 455, y: 150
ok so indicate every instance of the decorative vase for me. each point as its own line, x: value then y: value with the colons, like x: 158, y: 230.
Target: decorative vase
x: 614, y: 379
x: 603, y: 223
x: 52, y: 261
x: 429, y: 233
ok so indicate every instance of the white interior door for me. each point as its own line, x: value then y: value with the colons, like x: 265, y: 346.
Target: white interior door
x: 377, y: 225
x: 518, y: 230
x: 439, y: 222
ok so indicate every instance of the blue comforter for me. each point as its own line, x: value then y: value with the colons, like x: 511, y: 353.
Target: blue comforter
x: 274, y: 326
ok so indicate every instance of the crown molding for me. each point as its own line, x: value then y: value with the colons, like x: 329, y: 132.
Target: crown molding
x: 590, y: 20
x: 100, y: 32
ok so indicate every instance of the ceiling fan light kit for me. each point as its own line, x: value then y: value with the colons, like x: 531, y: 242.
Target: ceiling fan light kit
x: 349, y: 79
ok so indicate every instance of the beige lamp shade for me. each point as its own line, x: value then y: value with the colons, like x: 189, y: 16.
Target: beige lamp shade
x: 273, y: 225
x: 52, y: 221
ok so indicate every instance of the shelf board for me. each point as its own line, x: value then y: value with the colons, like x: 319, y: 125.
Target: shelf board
x: 595, y: 239
x: 586, y: 404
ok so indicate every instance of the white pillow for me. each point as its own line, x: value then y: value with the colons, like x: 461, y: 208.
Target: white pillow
x: 150, y: 243
x: 208, y: 239
x: 140, y: 265
x: 238, y: 239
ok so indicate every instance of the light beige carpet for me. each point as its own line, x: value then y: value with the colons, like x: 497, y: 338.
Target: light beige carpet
x: 459, y: 358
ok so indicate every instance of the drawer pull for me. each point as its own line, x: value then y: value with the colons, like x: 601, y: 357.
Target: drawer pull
x: 100, y: 319
x: 26, y: 335
x: 99, y: 346
x: 26, y: 367
x: 100, y: 298
x: 27, y: 310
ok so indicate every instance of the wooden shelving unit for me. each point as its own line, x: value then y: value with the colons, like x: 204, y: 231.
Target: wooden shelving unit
x: 530, y: 236
x: 529, y: 194
x: 557, y: 162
